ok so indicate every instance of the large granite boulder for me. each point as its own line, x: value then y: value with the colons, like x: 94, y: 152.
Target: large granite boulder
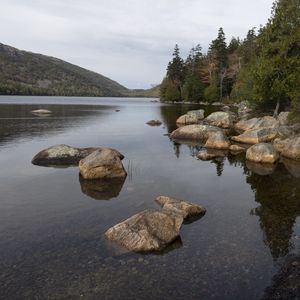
x: 255, y: 136
x: 221, y: 119
x: 191, y: 117
x: 262, y: 153
x: 194, y: 132
x: 186, y: 209
x: 149, y: 230
x: 103, y: 163
x: 62, y: 155
x: 256, y: 123
x: 218, y: 140
x: 289, y: 148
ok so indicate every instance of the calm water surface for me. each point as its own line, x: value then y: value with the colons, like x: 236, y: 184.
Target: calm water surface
x: 52, y: 224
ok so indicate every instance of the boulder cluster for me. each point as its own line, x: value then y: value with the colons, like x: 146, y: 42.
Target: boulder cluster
x: 264, y: 139
x: 94, y: 163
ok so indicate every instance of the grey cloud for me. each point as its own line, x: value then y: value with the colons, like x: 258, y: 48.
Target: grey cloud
x: 130, y: 41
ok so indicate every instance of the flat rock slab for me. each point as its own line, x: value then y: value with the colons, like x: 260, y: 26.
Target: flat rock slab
x: 61, y: 155
x: 149, y: 230
x: 102, y: 163
x: 255, y: 136
x: 256, y: 123
x: 194, y: 132
x: 186, y: 209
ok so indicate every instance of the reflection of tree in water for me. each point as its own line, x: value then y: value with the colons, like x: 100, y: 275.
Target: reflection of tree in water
x: 279, y: 198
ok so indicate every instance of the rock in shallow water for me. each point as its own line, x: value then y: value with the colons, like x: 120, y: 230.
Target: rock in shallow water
x: 41, y: 112
x: 186, y: 209
x: 262, y: 153
x: 154, y: 123
x: 218, y: 140
x: 61, y: 155
x: 289, y: 148
x: 221, y: 119
x: 103, y: 163
x: 149, y: 230
x: 255, y: 136
x: 191, y: 117
x: 194, y: 132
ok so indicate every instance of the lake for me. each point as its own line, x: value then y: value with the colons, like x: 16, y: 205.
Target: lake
x: 52, y: 224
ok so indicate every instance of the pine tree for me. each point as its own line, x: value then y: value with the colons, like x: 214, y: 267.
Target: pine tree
x: 276, y: 74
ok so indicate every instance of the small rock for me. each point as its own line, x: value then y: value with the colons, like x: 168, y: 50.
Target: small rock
x: 41, y: 112
x: 154, y: 123
x: 184, y: 208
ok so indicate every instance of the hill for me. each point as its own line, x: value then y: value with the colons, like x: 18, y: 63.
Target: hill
x: 27, y: 73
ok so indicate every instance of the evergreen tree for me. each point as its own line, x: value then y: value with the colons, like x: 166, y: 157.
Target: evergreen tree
x: 193, y: 86
x: 276, y: 74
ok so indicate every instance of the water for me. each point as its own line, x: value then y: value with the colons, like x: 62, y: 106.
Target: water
x: 52, y: 224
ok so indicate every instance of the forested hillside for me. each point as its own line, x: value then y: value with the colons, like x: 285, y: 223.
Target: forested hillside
x: 26, y: 73
x: 262, y: 68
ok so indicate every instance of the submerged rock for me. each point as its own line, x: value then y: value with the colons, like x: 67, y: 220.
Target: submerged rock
x: 186, y: 209
x: 262, y: 153
x: 218, y: 140
x: 191, y: 117
x: 149, y: 230
x: 221, y: 119
x: 194, y: 132
x: 154, y: 123
x: 255, y: 136
x: 289, y: 148
x: 208, y: 154
x: 103, y: 163
x: 62, y: 155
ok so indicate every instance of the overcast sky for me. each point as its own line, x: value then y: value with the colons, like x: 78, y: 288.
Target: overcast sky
x: 130, y: 41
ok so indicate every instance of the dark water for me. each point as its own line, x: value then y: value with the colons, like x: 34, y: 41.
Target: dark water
x: 52, y: 225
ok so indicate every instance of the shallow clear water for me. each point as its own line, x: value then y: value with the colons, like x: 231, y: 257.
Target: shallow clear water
x: 52, y: 225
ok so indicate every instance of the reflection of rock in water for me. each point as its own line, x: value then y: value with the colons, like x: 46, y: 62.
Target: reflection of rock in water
x: 279, y: 197
x: 292, y: 166
x: 286, y: 284
x: 260, y: 169
x: 101, y: 189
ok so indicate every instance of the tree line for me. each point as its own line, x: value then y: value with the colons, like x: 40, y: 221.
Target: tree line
x: 263, y: 68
